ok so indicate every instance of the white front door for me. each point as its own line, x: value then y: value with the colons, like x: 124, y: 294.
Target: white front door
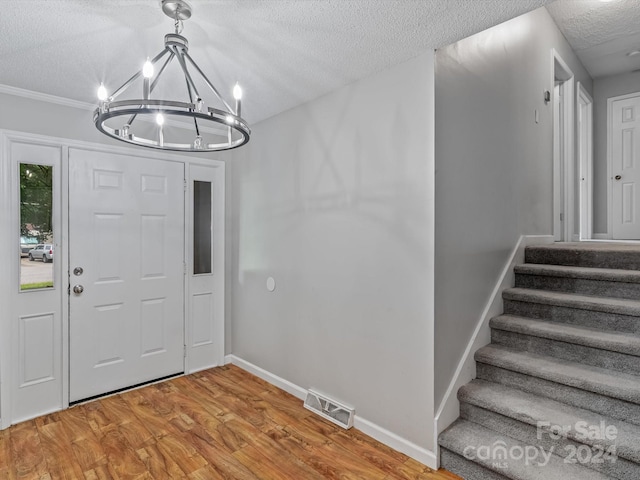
x: 625, y: 158
x: 126, y: 257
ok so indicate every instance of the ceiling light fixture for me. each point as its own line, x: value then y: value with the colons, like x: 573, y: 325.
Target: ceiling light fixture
x: 116, y: 118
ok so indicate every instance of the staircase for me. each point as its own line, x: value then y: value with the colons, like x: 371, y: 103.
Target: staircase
x: 560, y: 381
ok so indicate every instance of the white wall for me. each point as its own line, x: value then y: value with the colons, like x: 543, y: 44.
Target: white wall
x: 604, y: 88
x: 334, y: 199
x: 493, y: 167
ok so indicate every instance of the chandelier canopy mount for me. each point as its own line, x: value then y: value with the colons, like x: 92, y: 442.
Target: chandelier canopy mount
x: 177, y: 9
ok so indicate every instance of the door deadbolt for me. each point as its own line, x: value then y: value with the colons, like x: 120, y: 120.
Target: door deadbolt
x: 78, y: 289
x: 78, y: 271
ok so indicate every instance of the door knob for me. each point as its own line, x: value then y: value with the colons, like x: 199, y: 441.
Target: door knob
x: 78, y: 289
x: 618, y: 177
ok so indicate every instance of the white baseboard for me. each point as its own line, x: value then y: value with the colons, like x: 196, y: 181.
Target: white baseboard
x: 449, y: 409
x: 396, y: 442
x: 382, y: 435
x: 267, y: 376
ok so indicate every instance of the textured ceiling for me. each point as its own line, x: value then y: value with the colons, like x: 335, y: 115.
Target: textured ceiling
x: 601, y: 33
x: 284, y: 52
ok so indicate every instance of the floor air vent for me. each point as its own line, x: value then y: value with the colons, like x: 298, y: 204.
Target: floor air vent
x: 330, y: 409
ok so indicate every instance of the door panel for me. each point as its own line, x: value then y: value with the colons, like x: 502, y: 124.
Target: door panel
x: 126, y: 232
x: 31, y: 350
x: 205, y: 340
x: 625, y: 150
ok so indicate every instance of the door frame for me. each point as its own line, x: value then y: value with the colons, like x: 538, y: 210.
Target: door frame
x: 563, y: 164
x: 584, y: 101
x: 7, y: 277
x: 7, y: 282
x: 610, y: 101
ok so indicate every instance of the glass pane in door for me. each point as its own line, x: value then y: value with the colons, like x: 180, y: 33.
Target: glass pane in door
x: 36, y: 226
x: 201, y: 227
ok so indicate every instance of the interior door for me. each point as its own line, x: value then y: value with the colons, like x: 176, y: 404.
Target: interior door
x: 126, y: 253
x: 625, y: 154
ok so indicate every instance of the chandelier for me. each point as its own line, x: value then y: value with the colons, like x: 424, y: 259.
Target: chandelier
x: 190, y: 125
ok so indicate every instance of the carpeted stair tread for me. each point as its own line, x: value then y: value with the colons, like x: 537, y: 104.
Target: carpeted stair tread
x: 594, y: 379
x: 576, y: 396
x: 571, y: 300
x: 463, y: 434
x: 586, y: 254
x: 590, y: 337
x: 591, y: 273
x: 532, y: 409
x: 618, y: 247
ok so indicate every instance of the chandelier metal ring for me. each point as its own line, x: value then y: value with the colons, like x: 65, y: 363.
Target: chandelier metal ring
x: 127, y: 108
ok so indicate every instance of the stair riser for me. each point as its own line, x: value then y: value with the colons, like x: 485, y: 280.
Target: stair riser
x: 466, y: 468
x: 594, y: 402
x: 621, y: 468
x: 588, y: 318
x: 567, y: 351
x: 582, y: 286
x: 584, y: 258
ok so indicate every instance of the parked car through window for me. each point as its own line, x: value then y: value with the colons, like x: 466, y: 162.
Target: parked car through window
x: 42, y: 252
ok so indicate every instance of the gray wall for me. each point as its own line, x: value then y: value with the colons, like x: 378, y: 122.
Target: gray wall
x: 44, y: 118
x: 604, y: 88
x: 334, y: 199
x: 493, y: 167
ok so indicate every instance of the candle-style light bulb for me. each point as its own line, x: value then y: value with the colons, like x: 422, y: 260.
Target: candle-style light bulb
x: 147, y: 73
x: 102, y: 93
x: 160, y: 122
x: 147, y: 69
x: 237, y: 94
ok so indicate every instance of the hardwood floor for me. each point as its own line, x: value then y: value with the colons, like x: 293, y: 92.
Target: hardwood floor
x: 222, y: 423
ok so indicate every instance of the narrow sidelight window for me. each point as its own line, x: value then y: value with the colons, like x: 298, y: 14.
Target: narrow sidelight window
x: 36, y: 226
x: 202, y: 226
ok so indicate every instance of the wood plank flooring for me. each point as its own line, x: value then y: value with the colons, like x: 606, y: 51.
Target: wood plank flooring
x: 222, y: 423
